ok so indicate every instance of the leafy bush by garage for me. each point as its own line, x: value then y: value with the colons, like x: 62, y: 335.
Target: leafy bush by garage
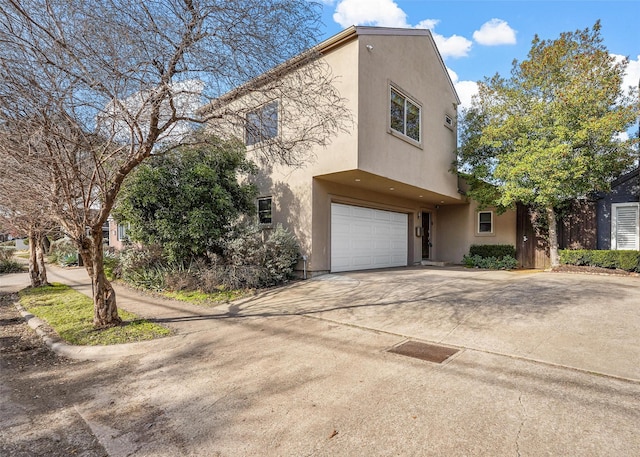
x: 491, y: 256
x: 623, y: 260
x: 492, y: 250
x: 252, y: 258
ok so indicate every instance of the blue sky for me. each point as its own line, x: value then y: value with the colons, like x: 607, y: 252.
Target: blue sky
x: 481, y: 38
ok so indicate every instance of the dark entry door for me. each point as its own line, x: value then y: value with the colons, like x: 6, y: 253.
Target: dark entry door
x: 426, y: 235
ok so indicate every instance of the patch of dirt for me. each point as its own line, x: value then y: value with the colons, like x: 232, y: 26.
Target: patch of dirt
x: 37, y: 413
x: 592, y: 270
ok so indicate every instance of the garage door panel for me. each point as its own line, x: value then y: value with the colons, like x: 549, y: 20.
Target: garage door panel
x: 364, y: 238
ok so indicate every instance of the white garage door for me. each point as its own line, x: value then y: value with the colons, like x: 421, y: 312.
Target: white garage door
x: 364, y: 238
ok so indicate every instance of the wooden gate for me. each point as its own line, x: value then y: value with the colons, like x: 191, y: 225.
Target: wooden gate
x: 531, y: 250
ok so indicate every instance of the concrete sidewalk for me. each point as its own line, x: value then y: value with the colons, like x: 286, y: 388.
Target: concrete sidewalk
x: 306, y: 369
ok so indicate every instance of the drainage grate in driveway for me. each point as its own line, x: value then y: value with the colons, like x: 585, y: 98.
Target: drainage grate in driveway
x: 424, y: 351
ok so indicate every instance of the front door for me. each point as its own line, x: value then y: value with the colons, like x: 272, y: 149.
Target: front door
x: 426, y: 235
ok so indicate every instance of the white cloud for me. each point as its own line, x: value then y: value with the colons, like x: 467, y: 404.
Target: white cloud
x: 621, y: 136
x: 429, y: 24
x: 383, y: 13
x: 387, y: 13
x: 495, y: 32
x: 632, y: 76
x: 465, y: 89
x: 453, y: 46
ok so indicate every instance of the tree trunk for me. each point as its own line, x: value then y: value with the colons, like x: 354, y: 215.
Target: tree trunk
x: 37, y: 269
x: 553, y: 237
x: 105, y: 311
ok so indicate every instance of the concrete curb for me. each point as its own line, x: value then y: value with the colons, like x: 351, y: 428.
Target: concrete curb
x: 62, y: 348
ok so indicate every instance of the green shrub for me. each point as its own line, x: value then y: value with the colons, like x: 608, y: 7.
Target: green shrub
x: 63, y: 251
x: 7, y: 263
x: 258, y: 260
x: 497, y: 251
x: 623, y: 260
x: 6, y: 253
x: 252, y: 258
x: 492, y: 263
x: 111, y: 265
x: 142, y: 266
x: 68, y: 260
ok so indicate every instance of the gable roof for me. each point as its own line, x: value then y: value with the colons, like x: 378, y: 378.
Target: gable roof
x: 390, y: 31
x: 322, y: 48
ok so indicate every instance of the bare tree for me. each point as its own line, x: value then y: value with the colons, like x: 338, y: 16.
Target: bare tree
x: 22, y: 208
x: 106, y: 83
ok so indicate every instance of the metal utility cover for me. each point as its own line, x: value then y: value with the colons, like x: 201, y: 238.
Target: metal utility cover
x: 424, y: 351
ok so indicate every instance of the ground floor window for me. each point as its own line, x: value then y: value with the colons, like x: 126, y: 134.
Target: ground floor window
x: 265, y: 210
x: 122, y: 232
x: 485, y: 222
x: 625, y: 218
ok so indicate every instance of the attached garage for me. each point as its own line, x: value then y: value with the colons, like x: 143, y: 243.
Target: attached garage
x: 365, y: 238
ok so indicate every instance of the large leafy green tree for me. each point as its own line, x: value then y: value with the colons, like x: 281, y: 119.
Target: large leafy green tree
x: 550, y: 132
x: 186, y: 200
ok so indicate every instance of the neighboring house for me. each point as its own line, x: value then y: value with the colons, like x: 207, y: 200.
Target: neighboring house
x: 618, y: 214
x: 117, y: 234
x: 382, y: 194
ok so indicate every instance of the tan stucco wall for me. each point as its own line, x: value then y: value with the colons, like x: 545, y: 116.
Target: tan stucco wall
x: 457, y: 230
x: 412, y: 64
x: 367, y: 165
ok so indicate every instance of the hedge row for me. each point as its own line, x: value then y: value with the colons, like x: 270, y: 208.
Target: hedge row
x: 497, y: 251
x: 623, y: 260
x: 492, y: 263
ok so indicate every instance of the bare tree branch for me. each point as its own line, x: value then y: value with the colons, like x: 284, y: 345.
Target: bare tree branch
x: 91, y: 89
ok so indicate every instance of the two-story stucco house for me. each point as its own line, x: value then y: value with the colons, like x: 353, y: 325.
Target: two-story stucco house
x: 381, y: 194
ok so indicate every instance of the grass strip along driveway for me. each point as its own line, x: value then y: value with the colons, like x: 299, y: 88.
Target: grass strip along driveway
x: 70, y: 314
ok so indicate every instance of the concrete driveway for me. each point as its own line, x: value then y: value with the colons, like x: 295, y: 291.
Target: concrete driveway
x: 547, y: 365
x: 588, y: 322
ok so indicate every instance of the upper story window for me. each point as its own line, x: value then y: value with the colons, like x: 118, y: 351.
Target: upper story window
x: 264, y: 210
x: 405, y: 115
x: 485, y: 222
x: 448, y: 121
x: 262, y: 124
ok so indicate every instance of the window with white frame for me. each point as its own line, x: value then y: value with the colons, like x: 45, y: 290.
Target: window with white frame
x: 625, y: 230
x: 265, y: 215
x: 405, y: 115
x: 485, y: 222
x: 261, y: 124
x: 122, y: 232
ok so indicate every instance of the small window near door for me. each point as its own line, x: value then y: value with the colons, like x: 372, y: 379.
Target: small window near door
x: 265, y: 210
x: 485, y: 222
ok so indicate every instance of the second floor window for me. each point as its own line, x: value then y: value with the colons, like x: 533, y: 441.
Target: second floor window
x: 262, y: 124
x: 405, y: 115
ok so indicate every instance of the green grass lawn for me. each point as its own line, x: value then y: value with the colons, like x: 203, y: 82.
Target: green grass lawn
x: 70, y: 313
x: 201, y: 298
